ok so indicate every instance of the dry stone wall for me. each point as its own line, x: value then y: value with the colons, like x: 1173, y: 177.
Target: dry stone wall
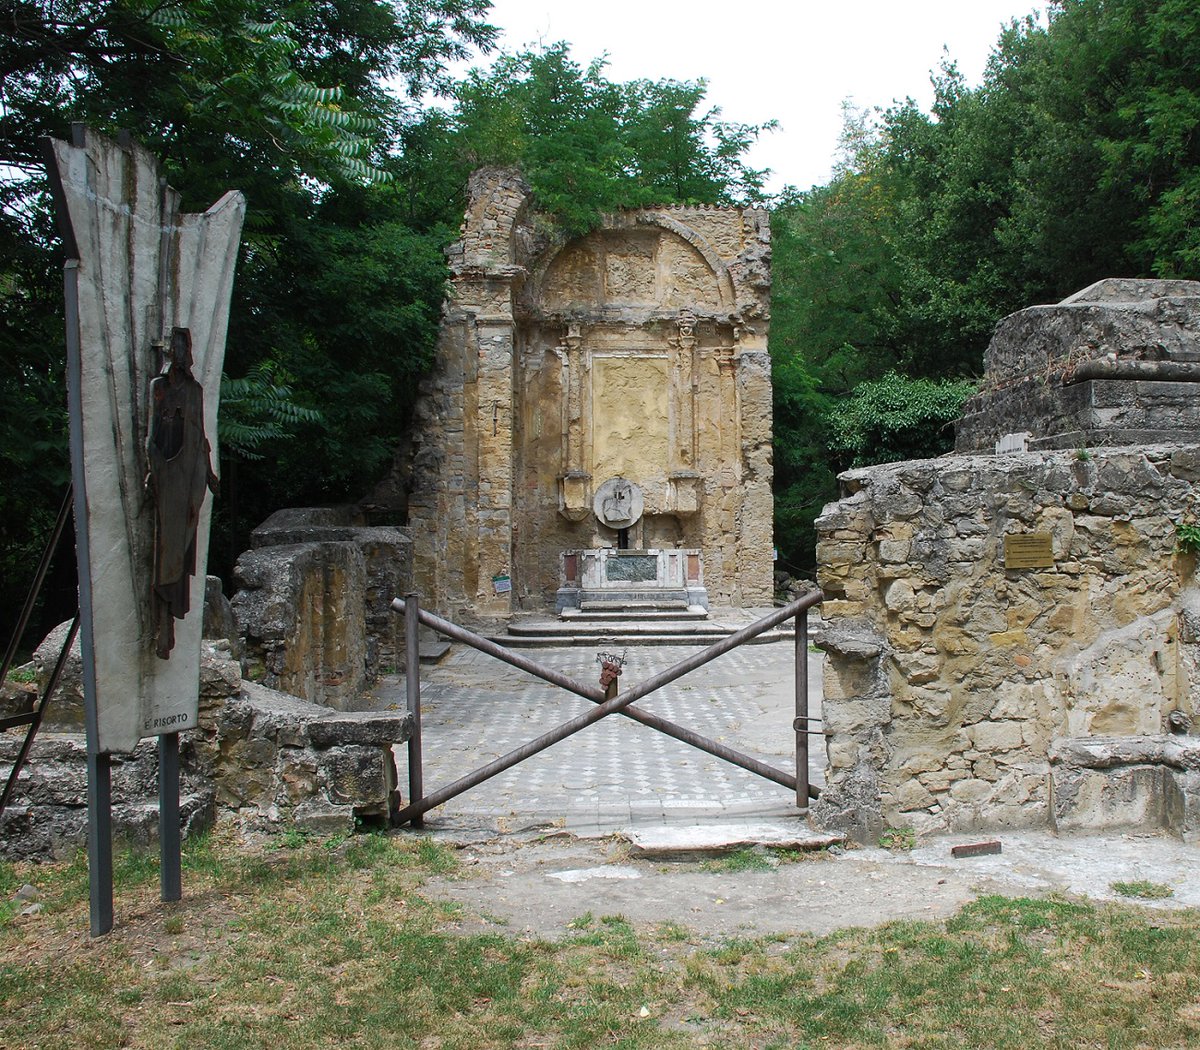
x: 955, y: 686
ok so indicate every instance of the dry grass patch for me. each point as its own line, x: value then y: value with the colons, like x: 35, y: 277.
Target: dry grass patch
x: 332, y: 944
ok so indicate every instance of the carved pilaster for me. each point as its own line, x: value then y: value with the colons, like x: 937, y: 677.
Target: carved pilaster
x: 730, y: 422
x: 686, y: 390
x: 575, y: 482
x: 573, y: 341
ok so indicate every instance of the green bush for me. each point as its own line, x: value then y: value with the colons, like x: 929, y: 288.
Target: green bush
x: 897, y: 418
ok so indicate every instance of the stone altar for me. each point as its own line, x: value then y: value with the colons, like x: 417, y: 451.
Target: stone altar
x: 608, y: 578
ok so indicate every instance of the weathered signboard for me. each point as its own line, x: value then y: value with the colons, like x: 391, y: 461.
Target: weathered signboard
x: 147, y: 293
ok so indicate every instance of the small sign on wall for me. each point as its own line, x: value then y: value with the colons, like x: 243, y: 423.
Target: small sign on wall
x: 1029, y: 550
x: 502, y: 584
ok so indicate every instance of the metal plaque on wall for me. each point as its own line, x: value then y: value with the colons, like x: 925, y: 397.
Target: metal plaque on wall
x: 1029, y: 550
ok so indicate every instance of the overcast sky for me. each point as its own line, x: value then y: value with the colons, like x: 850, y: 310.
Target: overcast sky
x: 792, y: 62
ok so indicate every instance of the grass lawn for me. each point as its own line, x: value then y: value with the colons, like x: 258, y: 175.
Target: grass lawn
x: 331, y: 944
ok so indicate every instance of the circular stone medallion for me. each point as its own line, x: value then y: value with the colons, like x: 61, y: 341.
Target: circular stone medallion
x: 618, y: 503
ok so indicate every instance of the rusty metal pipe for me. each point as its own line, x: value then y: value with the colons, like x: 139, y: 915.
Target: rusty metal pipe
x: 39, y: 577
x: 801, y: 723
x: 605, y: 707
x: 36, y: 722
x: 486, y: 645
x: 412, y: 681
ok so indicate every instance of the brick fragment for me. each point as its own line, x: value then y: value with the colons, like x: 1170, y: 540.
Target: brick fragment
x: 975, y: 849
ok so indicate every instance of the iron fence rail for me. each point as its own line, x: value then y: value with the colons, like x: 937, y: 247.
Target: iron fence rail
x: 421, y: 803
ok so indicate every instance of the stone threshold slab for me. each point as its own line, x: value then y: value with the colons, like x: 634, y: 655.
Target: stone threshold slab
x: 666, y: 840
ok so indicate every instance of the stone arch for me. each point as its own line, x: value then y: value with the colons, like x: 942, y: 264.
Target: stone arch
x: 645, y: 261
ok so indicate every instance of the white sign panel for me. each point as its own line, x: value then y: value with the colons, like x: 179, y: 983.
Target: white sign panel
x: 139, y: 271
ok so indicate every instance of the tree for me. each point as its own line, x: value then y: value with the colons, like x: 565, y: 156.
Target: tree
x: 897, y: 418
x: 588, y: 145
x: 1076, y: 158
x: 290, y: 103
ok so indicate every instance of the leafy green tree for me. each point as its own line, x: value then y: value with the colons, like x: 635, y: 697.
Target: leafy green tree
x: 897, y: 418
x: 589, y: 145
x: 1076, y: 158
x: 293, y: 105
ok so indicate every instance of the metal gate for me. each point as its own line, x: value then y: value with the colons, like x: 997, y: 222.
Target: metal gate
x: 606, y: 704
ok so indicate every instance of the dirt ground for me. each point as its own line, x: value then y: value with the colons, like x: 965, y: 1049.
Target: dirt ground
x: 537, y: 883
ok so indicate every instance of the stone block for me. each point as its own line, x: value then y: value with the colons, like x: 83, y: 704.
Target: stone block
x: 900, y: 596
x: 324, y: 818
x: 970, y: 791
x: 1181, y: 804
x: 918, y: 668
x: 990, y: 737
x: 378, y: 728
x: 298, y: 775
x: 1115, y: 797
x: 64, y: 711
x: 912, y: 794
x: 300, y: 610
x: 356, y: 775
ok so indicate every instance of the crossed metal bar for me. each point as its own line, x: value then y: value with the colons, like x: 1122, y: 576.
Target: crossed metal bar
x: 621, y: 704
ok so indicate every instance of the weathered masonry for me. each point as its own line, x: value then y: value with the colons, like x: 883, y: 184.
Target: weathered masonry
x: 1014, y: 637
x: 610, y: 393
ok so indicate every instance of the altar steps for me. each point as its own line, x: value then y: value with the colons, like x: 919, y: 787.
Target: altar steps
x: 628, y: 627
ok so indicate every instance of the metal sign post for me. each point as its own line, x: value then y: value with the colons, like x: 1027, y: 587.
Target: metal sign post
x: 147, y: 291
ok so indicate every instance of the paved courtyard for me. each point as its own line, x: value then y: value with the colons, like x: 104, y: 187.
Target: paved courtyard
x: 616, y: 772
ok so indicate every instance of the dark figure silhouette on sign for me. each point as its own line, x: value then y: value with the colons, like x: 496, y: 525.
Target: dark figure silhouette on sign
x: 180, y: 474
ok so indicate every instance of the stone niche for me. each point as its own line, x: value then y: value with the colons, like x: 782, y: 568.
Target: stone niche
x: 638, y: 351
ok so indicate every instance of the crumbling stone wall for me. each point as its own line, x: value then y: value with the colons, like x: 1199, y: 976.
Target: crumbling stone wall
x: 952, y: 681
x: 313, y: 605
x: 47, y: 816
x: 260, y: 758
x: 1114, y: 364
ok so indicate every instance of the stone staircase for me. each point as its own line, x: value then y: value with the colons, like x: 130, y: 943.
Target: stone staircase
x: 634, y: 623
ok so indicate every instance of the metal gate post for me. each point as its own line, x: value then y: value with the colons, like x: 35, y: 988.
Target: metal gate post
x: 802, y: 721
x: 170, y: 863
x: 412, y: 678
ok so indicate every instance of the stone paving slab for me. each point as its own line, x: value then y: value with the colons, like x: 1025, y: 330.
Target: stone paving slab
x: 616, y: 772
x: 656, y: 841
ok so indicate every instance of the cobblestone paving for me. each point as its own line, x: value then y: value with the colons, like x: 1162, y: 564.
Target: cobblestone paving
x: 614, y: 772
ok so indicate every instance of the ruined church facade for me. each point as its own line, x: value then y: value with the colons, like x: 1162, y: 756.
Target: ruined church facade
x: 610, y: 393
